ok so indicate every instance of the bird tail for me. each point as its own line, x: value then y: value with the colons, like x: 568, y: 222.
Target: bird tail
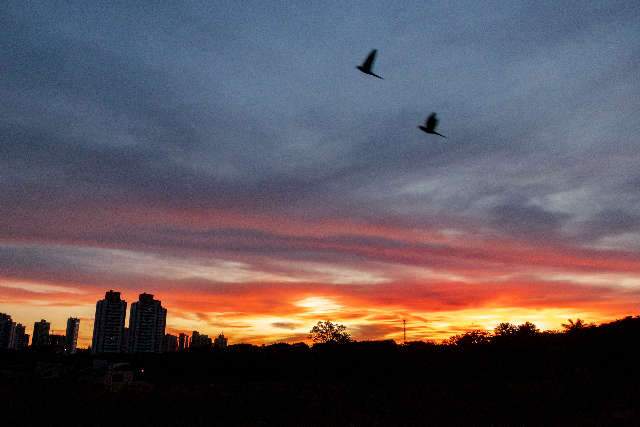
x: 375, y: 75
x: 439, y: 134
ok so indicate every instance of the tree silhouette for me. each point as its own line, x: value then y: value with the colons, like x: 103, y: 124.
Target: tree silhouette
x: 329, y: 333
x: 475, y: 337
x: 505, y: 330
x: 528, y: 329
x: 572, y: 326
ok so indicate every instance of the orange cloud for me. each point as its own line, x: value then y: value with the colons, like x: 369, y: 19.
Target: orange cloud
x: 267, y: 273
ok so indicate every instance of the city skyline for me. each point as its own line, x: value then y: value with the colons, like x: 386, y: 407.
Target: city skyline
x: 145, y: 333
x: 180, y: 340
x: 231, y: 160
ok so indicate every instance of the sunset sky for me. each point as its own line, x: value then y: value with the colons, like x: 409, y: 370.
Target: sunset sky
x: 228, y: 158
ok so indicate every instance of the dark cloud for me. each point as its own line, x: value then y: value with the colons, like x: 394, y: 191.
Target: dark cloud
x: 285, y: 325
x: 94, y: 116
x: 526, y: 219
x: 613, y: 221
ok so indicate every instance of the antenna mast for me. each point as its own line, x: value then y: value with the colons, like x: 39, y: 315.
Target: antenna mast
x: 404, y: 330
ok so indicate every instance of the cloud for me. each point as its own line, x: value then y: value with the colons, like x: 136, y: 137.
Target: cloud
x: 285, y: 325
x: 253, y: 168
x: 519, y: 217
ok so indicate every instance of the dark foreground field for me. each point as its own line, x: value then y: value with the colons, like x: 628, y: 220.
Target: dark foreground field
x: 589, y: 377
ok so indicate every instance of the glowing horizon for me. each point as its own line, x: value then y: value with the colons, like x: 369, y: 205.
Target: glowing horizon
x: 263, y: 300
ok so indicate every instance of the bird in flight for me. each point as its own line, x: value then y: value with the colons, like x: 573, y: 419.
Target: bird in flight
x: 367, y: 65
x: 430, y: 125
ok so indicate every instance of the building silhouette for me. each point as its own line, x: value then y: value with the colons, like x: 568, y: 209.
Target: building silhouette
x: 220, y: 342
x: 12, y: 334
x: 7, y: 331
x: 200, y: 341
x: 71, y: 336
x: 41, y: 334
x: 56, y: 343
x: 183, y: 342
x: 147, y: 322
x: 108, y: 326
x: 20, y: 338
x: 124, y: 347
x: 170, y: 343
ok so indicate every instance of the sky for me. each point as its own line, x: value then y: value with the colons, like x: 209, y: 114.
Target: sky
x: 228, y: 158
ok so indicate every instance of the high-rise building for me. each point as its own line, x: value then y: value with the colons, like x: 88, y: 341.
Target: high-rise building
x: 56, y: 343
x: 20, y: 339
x: 200, y: 341
x: 7, y: 331
x: 183, y: 342
x: 170, y: 344
x: 71, y: 337
x: 108, y: 326
x: 41, y: 334
x: 124, y: 348
x: 220, y: 342
x: 147, y: 321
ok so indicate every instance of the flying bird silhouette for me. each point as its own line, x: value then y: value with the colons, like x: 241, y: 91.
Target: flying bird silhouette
x: 367, y: 65
x: 430, y: 125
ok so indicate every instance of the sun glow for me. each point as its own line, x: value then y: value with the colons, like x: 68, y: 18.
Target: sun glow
x: 318, y: 305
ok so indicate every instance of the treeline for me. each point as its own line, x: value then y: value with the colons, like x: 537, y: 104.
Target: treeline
x: 502, y: 334
x: 514, y: 375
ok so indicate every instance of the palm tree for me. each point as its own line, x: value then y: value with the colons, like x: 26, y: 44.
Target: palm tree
x: 574, y: 326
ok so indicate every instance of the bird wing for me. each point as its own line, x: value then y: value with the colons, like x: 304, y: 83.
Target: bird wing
x: 432, y: 122
x: 368, y: 63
